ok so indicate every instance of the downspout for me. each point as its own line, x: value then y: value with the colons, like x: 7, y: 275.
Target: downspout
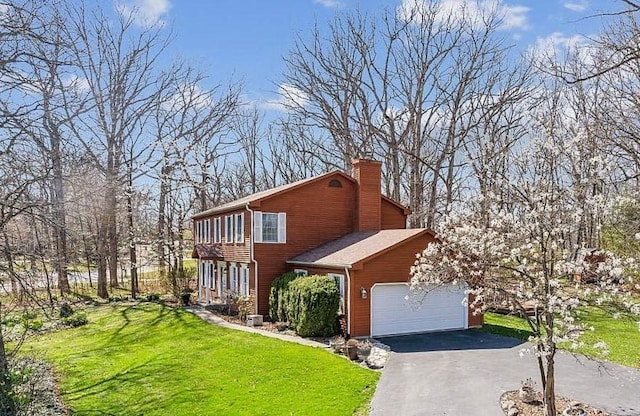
x: 348, y: 296
x: 252, y: 258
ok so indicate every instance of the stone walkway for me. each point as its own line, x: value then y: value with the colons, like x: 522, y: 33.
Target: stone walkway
x: 216, y: 320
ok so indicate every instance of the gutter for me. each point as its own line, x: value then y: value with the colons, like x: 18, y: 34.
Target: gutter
x: 252, y: 257
x: 320, y: 265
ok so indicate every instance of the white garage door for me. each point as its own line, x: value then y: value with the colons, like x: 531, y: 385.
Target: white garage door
x: 392, y: 314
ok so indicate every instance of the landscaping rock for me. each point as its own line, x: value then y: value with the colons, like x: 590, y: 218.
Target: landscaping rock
x: 377, y: 357
x: 508, y: 404
x: 513, y: 412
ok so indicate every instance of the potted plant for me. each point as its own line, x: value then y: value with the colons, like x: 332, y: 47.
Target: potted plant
x: 527, y: 392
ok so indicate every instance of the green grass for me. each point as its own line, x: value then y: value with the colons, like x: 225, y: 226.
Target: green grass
x: 621, y: 335
x: 151, y: 359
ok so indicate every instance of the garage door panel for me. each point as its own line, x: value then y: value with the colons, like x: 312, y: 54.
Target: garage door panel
x: 392, y: 313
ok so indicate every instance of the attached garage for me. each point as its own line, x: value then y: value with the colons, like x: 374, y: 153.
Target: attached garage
x: 392, y: 314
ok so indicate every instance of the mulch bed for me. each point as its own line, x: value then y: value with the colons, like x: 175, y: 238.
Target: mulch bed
x: 535, y: 408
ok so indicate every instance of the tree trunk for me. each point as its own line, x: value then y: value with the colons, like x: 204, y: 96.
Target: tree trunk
x: 7, y: 403
x: 549, y: 398
x: 133, y: 260
x: 59, y: 210
x: 9, y: 259
x: 112, y: 229
x: 101, y: 249
x: 162, y: 220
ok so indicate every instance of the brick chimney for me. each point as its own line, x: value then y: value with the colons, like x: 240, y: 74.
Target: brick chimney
x: 367, y: 173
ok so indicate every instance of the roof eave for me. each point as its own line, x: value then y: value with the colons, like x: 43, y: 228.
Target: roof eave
x: 320, y: 265
x: 255, y: 203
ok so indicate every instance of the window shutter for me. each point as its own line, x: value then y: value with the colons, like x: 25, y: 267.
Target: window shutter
x: 257, y: 227
x: 282, y: 227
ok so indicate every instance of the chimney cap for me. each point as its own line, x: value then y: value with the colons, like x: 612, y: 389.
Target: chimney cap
x: 356, y: 161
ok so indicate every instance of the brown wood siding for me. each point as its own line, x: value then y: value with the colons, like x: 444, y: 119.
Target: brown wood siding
x: 475, y: 320
x: 392, y: 266
x: 233, y: 252
x: 316, y: 214
x: 393, y: 217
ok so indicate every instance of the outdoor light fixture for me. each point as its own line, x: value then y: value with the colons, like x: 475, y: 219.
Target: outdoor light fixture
x: 363, y: 292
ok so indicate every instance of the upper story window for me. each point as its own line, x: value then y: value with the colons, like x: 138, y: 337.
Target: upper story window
x: 217, y: 230
x: 198, y: 232
x: 270, y: 227
x: 228, y: 229
x: 207, y: 231
x: 334, y: 183
x: 239, y: 228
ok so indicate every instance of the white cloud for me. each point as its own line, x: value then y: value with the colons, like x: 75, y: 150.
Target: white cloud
x: 145, y: 13
x: 471, y: 12
x: 76, y: 84
x: 288, y: 97
x: 331, y: 4
x: 189, y: 95
x: 515, y: 17
x: 576, y: 6
x: 557, y: 44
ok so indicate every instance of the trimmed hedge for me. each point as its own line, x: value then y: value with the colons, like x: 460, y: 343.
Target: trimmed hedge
x: 278, y: 298
x: 312, y: 303
x: 308, y: 303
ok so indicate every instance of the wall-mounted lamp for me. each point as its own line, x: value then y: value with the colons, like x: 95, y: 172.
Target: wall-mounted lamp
x: 363, y: 292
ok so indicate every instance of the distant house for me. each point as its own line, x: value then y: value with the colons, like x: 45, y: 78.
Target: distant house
x: 336, y: 225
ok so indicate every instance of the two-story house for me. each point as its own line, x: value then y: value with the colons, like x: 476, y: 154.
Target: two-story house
x: 332, y: 224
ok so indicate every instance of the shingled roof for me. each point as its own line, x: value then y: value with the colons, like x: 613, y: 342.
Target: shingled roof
x: 207, y: 251
x: 242, y: 202
x: 356, y: 247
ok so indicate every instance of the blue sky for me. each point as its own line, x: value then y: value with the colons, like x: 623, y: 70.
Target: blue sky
x: 246, y: 39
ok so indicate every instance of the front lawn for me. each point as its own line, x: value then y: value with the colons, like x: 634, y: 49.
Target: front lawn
x: 151, y: 359
x: 621, y: 335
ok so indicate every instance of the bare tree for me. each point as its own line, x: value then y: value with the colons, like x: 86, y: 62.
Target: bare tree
x: 410, y: 89
x: 116, y: 61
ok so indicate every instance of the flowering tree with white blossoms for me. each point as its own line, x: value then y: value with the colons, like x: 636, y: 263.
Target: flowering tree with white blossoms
x: 524, y: 246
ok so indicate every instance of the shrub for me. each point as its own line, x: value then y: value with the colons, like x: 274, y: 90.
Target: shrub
x: 246, y: 306
x: 179, y: 280
x: 75, y: 320
x: 278, y: 297
x: 65, y: 310
x: 312, y: 304
x: 153, y: 297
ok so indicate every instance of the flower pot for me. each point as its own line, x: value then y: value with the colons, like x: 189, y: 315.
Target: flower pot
x: 574, y: 411
x: 527, y: 394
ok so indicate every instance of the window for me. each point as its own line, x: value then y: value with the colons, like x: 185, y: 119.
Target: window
x: 222, y: 274
x: 203, y: 271
x: 300, y: 272
x: 198, y: 232
x: 270, y: 227
x: 334, y: 183
x: 339, y: 279
x: 239, y: 228
x: 212, y: 275
x: 244, y: 280
x: 207, y: 231
x: 217, y: 232
x: 228, y: 229
x: 233, y: 278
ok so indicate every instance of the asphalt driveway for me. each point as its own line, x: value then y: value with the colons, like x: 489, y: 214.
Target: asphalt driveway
x: 465, y: 373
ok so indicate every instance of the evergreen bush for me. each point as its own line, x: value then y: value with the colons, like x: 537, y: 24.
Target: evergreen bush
x: 312, y: 303
x: 278, y: 297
